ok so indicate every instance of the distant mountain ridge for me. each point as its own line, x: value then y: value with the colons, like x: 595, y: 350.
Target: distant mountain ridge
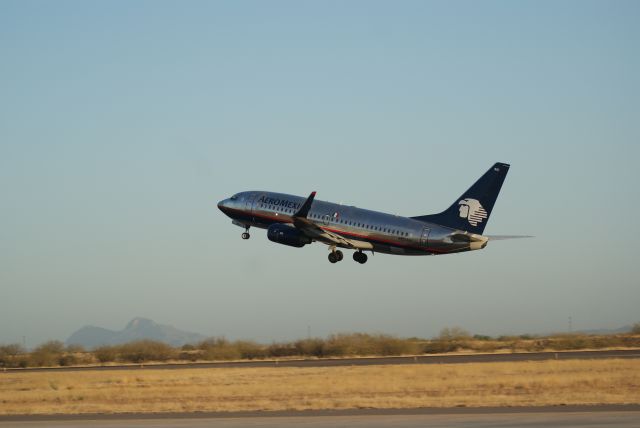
x: 137, y: 329
x: 623, y: 329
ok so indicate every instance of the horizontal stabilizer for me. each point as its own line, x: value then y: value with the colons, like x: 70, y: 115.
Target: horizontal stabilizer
x: 503, y: 237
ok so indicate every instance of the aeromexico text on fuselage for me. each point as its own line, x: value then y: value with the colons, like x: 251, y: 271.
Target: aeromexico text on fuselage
x: 279, y: 202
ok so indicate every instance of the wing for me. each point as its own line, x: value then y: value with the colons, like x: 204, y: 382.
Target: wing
x: 502, y: 237
x: 313, y: 231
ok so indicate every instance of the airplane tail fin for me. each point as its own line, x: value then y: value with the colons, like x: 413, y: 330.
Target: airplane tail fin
x: 471, y: 211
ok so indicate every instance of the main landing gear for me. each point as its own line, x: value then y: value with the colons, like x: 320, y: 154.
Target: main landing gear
x: 360, y: 257
x: 246, y: 235
x: 335, y: 256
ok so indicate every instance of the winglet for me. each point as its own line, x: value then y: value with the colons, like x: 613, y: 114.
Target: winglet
x: 304, y: 209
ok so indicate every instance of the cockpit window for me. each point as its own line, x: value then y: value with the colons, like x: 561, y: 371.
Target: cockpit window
x: 234, y: 197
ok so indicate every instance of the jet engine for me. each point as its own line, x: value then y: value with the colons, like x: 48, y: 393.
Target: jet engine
x: 287, y: 235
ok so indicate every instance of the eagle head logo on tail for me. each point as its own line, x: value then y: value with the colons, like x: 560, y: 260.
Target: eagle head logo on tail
x: 472, y: 211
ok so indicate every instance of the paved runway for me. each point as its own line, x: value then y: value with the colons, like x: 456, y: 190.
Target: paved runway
x: 610, y: 416
x: 333, y: 362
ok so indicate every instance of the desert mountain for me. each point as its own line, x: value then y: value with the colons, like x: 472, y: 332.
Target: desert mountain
x: 137, y: 329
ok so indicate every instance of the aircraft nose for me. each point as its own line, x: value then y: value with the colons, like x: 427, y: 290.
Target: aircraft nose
x: 222, y: 204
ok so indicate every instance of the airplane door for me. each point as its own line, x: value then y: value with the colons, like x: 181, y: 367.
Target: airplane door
x: 424, y: 239
x: 249, y: 204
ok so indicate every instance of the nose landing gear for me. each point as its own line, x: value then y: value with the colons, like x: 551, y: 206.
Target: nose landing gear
x: 246, y: 235
x: 360, y: 257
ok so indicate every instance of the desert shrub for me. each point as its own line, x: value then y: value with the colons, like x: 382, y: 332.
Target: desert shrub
x: 47, y: 354
x: 481, y: 337
x: 67, y: 360
x: 531, y: 345
x: 389, y: 345
x: 454, y: 333
x: 487, y: 346
x: 106, y: 354
x: 190, y: 355
x: 439, y: 346
x: 10, y: 354
x: 568, y: 341
x: 277, y: 350
x: 346, y: 344
x: 145, y: 350
x: 251, y: 350
x: 506, y: 338
x: 630, y: 341
x: 219, y: 348
x: 449, y: 340
x: 635, y: 329
x: 312, y: 347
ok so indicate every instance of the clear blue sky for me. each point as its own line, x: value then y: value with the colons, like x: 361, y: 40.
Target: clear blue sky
x: 123, y: 123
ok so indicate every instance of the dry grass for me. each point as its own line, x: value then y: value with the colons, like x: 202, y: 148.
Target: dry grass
x: 402, y: 386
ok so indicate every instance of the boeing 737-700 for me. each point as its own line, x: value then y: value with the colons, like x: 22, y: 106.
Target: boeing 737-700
x: 296, y: 221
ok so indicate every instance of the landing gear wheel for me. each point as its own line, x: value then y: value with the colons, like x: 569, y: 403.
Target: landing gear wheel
x: 360, y: 257
x: 333, y: 258
x: 246, y: 235
x: 339, y: 255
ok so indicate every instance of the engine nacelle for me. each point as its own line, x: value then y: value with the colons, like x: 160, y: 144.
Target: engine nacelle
x: 287, y: 235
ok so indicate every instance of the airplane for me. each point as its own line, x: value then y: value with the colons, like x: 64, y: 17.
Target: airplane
x: 297, y: 221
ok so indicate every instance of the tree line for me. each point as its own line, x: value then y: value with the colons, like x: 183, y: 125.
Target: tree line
x: 55, y: 353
